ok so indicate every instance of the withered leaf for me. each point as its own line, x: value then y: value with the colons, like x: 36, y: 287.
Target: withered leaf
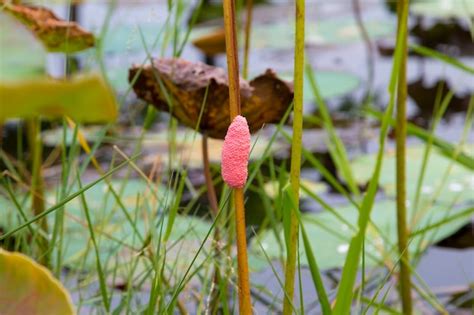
x: 56, y: 35
x: 179, y: 86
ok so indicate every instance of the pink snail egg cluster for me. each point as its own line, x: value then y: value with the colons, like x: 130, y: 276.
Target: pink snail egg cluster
x: 235, y: 153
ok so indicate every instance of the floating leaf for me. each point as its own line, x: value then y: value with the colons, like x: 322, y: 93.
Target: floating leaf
x: 330, y: 83
x: 118, y: 237
x: 211, y: 44
x: 264, y: 100
x: 56, y: 35
x: 22, y: 57
x: 280, y: 34
x: 26, y: 287
x: 330, y: 237
x: 84, y: 98
x: 457, y: 186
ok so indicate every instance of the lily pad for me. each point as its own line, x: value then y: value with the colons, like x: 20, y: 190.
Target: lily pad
x: 28, y: 288
x: 84, y: 98
x: 280, y: 35
x: 330, y: 237
x: 330, y: 83
x: 22, y: 56
x: 457, y: 187
x: 126, y: 38
x: 118, y: 239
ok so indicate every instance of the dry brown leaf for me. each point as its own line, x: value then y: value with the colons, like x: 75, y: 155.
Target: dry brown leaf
x: 264, y: 100
x: 57, y: 35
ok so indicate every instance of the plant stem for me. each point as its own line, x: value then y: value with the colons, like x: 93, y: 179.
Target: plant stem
x: 401, y: 130
x: 211, y: 192
x: 245, y: 306
x: 232, y: 58
x: 37, y: 194
x: 248, y: 28
x: 290, y: 266
x: 212, y: 198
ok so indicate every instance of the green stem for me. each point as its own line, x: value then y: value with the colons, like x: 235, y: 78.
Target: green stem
x: 248, y: 28
x: 37, y: 194
x: 401, y: 130
x: 296, y: 147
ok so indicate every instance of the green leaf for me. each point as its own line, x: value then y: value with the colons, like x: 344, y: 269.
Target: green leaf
x: 457, y: 188
x: 330, y: 83
x: 115, y: 236
x: 85, y: 98
x: 28, y: 288
x: 329, y: 237
x: 280, y: 34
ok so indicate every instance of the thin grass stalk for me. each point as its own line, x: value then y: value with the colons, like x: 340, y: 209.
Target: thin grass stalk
x: 296, y: 147
x: 245, y: 306
x: 349, y: 271
x: 401, y: 134
x: 248, y: 29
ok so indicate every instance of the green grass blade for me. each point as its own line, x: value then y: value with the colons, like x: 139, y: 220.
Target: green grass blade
x: 64, y: 201
x: 349, y: 272
x: 442, y: 57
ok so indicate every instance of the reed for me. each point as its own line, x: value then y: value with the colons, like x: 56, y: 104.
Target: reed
x: 296, y: 148
x: 245, y: 306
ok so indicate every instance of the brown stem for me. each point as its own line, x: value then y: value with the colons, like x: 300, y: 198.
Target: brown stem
x: 211, y: 192
x: 212, y: 198
x: 232, y: 58
x: 245, y: 305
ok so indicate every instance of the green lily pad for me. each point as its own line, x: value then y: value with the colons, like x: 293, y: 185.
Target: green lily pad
x: 85, y: 98
x: 330, y: 237
x: 443, y: 8
x: 21, y: 55
x: 456, y: 188
x: 280, y: 35
x: 118, y: 240
x: 28, y: 288
x: 126, y: 38
x: 330, y: 83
